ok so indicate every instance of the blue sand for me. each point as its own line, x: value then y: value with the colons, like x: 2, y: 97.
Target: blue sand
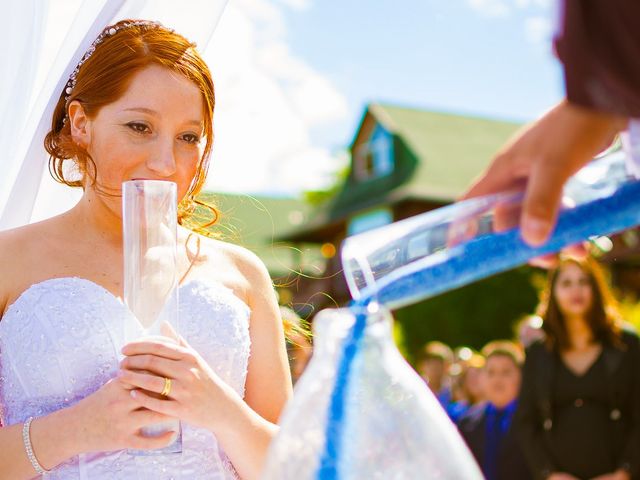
x: 329, y: 461
x: 496, y: 252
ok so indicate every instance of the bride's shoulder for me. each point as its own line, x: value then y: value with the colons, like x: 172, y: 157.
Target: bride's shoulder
x: 14, y: 241
x: 243, y: 259
x: 18, y: 240
x: 242, y: 267
x: 15, y: 246
x: 21, y: 250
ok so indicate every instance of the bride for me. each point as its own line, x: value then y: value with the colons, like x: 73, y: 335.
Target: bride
x: 138, y: 106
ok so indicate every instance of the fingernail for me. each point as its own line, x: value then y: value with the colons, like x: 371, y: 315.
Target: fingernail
x: 534, y: 230
x: 133, y: 393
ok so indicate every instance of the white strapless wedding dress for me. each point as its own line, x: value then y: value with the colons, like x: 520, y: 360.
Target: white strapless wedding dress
x: 61, y: 340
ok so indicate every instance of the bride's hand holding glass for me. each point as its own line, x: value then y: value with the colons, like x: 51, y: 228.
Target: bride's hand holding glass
x: 192, y: 391
x: 110, y: 419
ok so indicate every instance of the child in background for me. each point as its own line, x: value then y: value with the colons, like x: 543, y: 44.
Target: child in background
x: 467, y: 383
x: 433, y: 367
x: 487, y: 429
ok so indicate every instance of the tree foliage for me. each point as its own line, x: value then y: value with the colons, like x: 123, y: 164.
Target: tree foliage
x: 472, y: 315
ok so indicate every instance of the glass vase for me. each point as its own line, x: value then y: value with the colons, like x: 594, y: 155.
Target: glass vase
x: 385, y: 424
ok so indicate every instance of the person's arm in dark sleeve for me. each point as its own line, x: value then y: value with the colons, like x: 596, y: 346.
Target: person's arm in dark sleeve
x: 528, y: 424
x: 630, y: 455
x: 599, y: 45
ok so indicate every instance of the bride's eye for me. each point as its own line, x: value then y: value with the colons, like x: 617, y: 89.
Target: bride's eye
x: 191, y: 138
x: 138, y: 127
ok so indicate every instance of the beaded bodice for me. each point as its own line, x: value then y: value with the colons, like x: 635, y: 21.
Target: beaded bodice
x: 61, y: 340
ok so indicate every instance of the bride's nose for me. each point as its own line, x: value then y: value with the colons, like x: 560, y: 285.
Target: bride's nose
x: 163, y: 161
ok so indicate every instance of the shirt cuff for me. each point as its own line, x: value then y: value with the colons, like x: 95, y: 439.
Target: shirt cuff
x: 631, y: 145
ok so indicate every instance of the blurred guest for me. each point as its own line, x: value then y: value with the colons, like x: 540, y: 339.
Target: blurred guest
x: 467, y: 385
x: 473, y: 379
x: 529, y: 330
x: 487, y: 429
x: 579, y: 413
x: 433, y: 366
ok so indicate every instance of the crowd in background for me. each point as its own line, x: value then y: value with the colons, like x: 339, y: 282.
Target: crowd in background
x: 570, y: 410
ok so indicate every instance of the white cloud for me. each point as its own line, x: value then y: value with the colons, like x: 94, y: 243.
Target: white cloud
x: 539, y: 15
x: 319, y: 161
x: 538, y: 29
x: 546, y: 4
x: 268, y: 101
x: 297, y: 4
x: 264, y: 15
x: 312, y: 95
x: 491, y: 8
x: 503, y: 8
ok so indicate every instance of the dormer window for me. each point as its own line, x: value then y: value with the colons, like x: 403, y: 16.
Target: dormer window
x: 374, y: 158
x: 369, y: 220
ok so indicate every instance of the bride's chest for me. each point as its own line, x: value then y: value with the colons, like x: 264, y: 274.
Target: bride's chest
x: 61, y: 339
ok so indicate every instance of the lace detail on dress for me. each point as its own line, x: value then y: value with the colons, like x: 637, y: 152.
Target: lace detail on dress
x: 228, y: 466
x: 61, y: 340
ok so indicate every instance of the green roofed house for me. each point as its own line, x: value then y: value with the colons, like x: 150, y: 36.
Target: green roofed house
x: 404, y: 161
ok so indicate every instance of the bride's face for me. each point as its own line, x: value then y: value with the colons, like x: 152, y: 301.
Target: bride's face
x: 154, y: 131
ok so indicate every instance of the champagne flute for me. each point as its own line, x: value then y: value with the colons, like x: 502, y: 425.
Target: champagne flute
x: 150, y: 275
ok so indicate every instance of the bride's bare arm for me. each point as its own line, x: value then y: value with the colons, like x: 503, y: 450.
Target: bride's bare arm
x: 53, y: 441
x: 107, y: 420
x: 268, y: 386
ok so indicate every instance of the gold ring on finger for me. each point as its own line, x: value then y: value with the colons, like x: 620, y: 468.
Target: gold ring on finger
x: 166, y: 390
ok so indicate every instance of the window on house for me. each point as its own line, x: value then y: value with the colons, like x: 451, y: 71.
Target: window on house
x: 369, y: 220
x: 374, y: 158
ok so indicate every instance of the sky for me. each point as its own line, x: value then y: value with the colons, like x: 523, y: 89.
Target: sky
x: 294, y: 76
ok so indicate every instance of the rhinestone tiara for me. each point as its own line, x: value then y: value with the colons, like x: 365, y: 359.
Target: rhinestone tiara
x: 107, y: 32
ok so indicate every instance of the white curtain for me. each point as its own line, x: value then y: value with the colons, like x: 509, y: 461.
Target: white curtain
x: 46, y: 39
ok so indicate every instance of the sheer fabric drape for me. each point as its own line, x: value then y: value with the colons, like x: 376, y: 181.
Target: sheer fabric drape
x: 42, y: 43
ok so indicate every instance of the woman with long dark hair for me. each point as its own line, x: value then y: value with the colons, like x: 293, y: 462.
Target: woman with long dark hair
x: 579, y: 409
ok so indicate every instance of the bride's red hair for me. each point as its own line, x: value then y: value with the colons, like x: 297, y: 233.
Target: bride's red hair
x: 104, y: 78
